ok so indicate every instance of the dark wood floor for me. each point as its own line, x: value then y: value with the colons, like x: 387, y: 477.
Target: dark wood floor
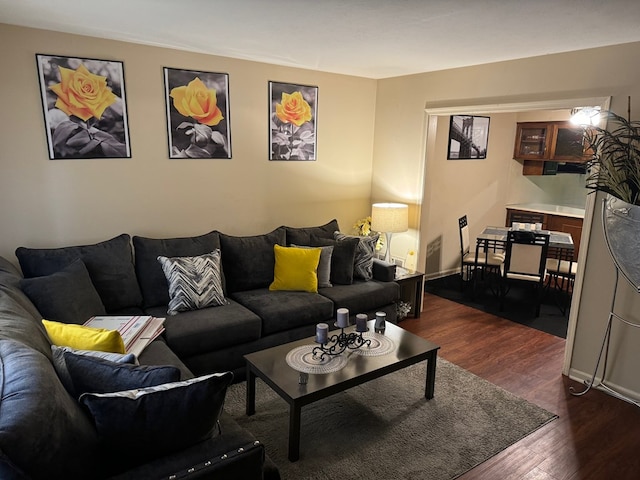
x: 596, y: 437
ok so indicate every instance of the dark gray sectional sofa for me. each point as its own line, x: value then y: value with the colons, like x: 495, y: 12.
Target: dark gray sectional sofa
x: 47, y: 434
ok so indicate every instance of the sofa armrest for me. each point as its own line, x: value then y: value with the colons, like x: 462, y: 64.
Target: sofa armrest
x: 233, y: 454
x: 383, y: 271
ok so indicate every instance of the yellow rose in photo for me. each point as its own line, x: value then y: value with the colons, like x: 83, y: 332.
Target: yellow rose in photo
x: 293, y: 109
x: 197, y: 101
x: 82, y: 93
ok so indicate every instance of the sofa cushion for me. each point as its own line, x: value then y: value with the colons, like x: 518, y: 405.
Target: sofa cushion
x: 302, y: 235
x: 365, y: 251
x: 60, y: 364
x: 66, y: 296
x: 248, y: 262
x: 42, y: 429
x: 84, y: 338
x: 209, y: 329
x: 296, y: 269
x: 153, y: 283
x: 342, y: 258
x: 362, y: 296
x: 153, y: 421
x: 110, y: 266
x: 285, y: 310
x: 324, y: 265
x: 99, y: 375
x: 194, y: 282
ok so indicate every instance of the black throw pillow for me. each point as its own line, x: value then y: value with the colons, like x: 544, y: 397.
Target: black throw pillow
x: 141, y: 424
x: 342, y: 258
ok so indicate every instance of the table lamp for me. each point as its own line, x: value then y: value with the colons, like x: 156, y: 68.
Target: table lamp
x: 389, y: 218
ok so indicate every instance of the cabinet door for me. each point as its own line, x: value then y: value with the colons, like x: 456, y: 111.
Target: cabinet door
x: 568, y: 143
x: 532, y: 141
x: 570, y: 225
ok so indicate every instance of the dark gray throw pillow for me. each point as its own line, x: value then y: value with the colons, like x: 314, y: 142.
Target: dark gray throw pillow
x: 248, y: 262
x: 66, y: 296
x: 302, y: 235
x: 109, y: 263
x: 154, y: 421
x: 365, y: 251
x: 153, y: 283
x: 342, y: 258
x: 61, y: 366
x: 97, y: 375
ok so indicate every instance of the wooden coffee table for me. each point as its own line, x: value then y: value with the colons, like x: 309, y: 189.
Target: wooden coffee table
x: 271, y: 366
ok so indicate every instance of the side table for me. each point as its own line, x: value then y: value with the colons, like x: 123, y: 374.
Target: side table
x: 411, y: 289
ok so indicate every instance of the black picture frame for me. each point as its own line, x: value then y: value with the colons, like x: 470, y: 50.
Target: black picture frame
x: 201, y: 134
x: 468, y: 137
x: 84, y: 107
x: 293, y: 115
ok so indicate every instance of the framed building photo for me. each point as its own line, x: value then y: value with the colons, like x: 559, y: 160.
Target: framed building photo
x: 292, y: 121
x: 468, y: 137
x: 84, y: 105
x: 198, y: 121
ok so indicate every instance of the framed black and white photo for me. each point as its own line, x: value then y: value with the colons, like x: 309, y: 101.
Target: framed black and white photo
x: 468, y: 137
x: 85, y: 108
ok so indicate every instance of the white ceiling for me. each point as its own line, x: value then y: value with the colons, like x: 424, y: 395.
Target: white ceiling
x: 366, y: 38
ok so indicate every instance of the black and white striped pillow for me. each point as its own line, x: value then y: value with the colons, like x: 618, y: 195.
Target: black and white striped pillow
x: 366, y: 249
x: 194, y: 282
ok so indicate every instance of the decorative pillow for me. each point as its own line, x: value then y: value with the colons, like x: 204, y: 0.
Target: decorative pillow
x: 194, y: 282
x: 60, y: 364
x: 109, y: 263
x: 84, y: 338
x: 342, y: 258
x: 98, y: 375
x: 363, y: 263
x: 153, y: 421
x: 248, y: 262
x: 296, y: 269
x: 66, y: 296
x: 324, y: 266
x: 153, y: 283
x: 302, y: 235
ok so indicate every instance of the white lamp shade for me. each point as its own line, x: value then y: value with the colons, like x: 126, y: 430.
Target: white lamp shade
x: 390, y: 217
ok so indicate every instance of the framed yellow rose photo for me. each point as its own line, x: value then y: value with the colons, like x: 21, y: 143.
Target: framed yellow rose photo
x: 85, y: 108
x: 293, y: 121
x: 197, y: 114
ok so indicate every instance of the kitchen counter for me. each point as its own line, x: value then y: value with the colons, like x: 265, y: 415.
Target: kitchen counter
x: 549, y: 209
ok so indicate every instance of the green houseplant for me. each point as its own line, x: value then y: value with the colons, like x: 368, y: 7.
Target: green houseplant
x: 615, y: 165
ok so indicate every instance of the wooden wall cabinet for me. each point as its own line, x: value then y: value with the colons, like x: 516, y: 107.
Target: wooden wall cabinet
x: 538, y: 142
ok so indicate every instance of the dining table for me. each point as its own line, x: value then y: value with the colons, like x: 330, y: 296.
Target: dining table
x: 498, y: 235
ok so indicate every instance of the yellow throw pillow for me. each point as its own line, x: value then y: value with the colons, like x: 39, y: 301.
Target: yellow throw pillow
x: 296, y: 269
x: 84, y: 338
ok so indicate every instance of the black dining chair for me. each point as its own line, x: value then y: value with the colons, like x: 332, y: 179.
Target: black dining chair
x: 561, y: 275
x: 526, y: 217
x: 525, y: 263
x: 474, y: 261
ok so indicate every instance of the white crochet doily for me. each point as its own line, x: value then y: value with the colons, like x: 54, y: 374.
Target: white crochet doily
x: 380, y: 345
x: 302, y: 360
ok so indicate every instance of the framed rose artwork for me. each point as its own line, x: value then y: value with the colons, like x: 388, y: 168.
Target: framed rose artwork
x: 293, y: 121
x: 197, y: 114
x: 85, y: 108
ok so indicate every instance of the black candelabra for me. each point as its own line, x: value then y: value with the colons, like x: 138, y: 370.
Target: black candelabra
x: 338, y: 343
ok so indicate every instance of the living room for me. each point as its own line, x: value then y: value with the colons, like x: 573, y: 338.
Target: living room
x: 371, y: 147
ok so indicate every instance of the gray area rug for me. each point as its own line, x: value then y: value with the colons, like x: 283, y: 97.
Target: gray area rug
x: 386, y: 429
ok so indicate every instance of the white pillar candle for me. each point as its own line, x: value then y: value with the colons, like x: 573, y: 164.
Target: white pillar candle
x: 343, y: 317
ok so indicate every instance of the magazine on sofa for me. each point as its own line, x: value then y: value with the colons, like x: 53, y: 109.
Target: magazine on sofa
x: 137, y: 331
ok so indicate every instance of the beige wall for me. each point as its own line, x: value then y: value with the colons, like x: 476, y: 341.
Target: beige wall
x: 47, y: 203
x: 400, y: 135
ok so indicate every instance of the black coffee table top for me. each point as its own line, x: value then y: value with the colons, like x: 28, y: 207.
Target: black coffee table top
x: 271, y: 365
